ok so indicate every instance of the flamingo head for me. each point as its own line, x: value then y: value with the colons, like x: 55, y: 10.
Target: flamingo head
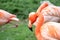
x: 6, y: 17
x: 32, y: 19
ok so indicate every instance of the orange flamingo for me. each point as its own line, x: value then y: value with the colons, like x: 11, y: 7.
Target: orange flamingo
x: 44, y: 31
x: 6, y: 17
x: 43, y: 15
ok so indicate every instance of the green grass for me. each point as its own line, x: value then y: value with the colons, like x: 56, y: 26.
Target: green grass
x: 20, y: 33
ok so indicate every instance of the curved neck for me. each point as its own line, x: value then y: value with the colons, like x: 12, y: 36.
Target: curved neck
x: 39, y: 23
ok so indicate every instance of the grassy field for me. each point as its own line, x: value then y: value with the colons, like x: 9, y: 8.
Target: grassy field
x: 20, y: 33
x: 21, y: 8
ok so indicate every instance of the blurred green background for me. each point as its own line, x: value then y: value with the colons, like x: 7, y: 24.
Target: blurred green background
x: 21, y: 8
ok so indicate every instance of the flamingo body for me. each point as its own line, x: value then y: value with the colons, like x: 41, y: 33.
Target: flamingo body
x: 49, y: 11
x: 50, y: 31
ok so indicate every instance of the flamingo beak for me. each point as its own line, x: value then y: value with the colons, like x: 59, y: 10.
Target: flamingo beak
x: 30, y: 25
x: 15, y: 19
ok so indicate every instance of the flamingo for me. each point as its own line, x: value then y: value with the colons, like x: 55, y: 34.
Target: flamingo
x: 44, y: 31
x: 6, y: 17
x: 45, y: 14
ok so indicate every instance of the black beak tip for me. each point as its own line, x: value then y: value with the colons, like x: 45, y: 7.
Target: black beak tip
x: 16, y: 25
x: 31, y: 29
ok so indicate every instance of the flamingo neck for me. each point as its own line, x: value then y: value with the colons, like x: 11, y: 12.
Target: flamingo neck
x: 39, y: 23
